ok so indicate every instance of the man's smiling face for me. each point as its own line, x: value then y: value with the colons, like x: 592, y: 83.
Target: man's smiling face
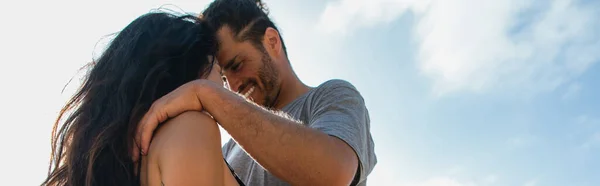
x: 249, y: 68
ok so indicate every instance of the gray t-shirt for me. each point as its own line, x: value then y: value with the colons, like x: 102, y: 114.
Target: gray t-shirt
x: 335, y: 108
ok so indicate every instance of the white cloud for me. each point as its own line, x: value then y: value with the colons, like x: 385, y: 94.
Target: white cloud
x: 487, y: 45
x: 342, y: 16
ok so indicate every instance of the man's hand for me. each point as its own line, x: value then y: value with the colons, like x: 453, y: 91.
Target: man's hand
x: 184, y: 98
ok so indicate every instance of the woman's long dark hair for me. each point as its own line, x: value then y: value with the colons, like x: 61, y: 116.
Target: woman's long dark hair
x: 152, y: 56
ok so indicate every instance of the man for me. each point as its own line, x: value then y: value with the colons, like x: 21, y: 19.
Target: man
x: 322, y: 139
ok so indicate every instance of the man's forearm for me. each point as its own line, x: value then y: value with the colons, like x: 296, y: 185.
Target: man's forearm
x: 292, y: 152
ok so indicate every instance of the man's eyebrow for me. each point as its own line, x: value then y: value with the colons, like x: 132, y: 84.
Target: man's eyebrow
x: 229, y: 63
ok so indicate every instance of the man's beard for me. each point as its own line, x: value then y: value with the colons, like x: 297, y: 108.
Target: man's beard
x: 267, y: 75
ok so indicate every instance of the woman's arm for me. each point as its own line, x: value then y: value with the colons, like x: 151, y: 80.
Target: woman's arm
x: 187, y: 151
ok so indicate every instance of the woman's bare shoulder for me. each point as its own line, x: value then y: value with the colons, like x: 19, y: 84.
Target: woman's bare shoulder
x: 187, y: 146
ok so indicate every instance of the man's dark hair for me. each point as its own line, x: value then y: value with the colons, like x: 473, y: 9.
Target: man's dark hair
x: 247, y: 19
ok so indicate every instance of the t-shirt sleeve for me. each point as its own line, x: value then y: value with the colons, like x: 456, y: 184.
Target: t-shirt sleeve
x: 226, y: 148
x: 339, y: 110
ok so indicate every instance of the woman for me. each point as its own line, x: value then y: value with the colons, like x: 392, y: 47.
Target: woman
x: 152, y: 56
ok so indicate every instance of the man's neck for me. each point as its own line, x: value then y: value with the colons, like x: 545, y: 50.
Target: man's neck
x: 291, y: 89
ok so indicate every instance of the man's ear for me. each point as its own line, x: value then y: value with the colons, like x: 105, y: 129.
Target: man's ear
x: 272, y: 41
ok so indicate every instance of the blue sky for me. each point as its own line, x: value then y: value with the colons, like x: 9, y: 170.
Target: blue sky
x: 460, y: 92
x: 472, y: 92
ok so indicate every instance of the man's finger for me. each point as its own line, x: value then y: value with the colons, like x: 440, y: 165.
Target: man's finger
x: 140, y: 129
x: 142, y: 134
x: 150, y: 123
x: 135, y: 152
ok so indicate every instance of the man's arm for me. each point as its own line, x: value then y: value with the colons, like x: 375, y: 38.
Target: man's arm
x: 296, y: 154
x: 287, y: 149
